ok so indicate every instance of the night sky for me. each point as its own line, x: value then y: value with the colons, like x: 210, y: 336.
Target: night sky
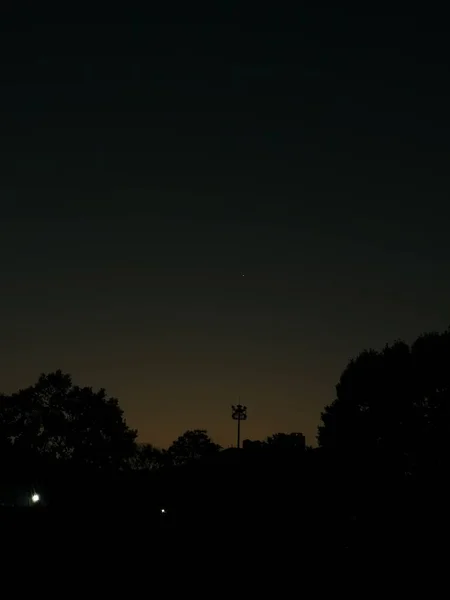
x: 196, y: 207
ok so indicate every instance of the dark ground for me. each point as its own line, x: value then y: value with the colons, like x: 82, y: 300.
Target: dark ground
x: 263, y: 510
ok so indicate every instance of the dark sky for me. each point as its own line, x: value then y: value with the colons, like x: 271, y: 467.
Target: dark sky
x: 148, y: 161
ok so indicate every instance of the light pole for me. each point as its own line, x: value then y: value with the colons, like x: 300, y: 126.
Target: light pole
x: 239, y: 413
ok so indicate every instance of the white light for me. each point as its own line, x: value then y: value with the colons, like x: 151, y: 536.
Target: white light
x: 35, y: 498
x: 163, y: 511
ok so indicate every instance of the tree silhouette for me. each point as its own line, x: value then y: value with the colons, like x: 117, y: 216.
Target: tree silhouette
x: 149, y: 458
x: 394, y: 402
x: 286, y: 442
x: 55, y: 421
x: 192, y: 445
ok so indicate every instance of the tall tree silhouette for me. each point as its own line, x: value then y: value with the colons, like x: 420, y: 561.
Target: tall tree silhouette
x: 396, y: 402
x: 192, y: 445
x: 55, y: 420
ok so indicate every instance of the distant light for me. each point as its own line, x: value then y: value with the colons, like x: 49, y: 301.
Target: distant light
x: 163, y: 511
x: 35, y: 498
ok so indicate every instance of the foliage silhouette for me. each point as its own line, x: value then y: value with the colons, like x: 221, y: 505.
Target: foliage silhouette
x: 192, y: 445
x: 55, y: 421
x: 394, y: 403
x: 149, y: 458
x: 284, y: 443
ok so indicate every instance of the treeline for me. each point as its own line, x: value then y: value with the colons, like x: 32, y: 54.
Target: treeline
x: 71, y: 443
x: 56, y: 423
x: 383, y: 446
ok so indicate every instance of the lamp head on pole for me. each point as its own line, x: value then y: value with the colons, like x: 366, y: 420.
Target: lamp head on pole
x: 238, y: 412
